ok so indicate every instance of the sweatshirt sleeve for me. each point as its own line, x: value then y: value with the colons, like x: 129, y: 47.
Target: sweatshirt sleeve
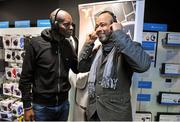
x: 27, y: 76
x: 136, y: 57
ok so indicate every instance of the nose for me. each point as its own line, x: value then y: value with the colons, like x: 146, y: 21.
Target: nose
x: 71, y: 27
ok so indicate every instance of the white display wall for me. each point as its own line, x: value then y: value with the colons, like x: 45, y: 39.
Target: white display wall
x: 159, y: 81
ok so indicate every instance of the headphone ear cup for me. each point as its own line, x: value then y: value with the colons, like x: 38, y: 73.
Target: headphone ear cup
x: 55, y: 25
x: 114, y: 18
x: 55, y: 22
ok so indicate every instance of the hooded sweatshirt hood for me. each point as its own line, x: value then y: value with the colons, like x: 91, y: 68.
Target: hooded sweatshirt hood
x: 51, y: 35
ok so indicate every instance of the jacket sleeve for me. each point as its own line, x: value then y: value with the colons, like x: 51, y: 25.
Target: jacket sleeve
x: 134, y: 54
x: 86, y: 57
x: 74, y: 63
x: 27, y: 76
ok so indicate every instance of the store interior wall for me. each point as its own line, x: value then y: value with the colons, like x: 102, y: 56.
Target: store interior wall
x: 165, y: 12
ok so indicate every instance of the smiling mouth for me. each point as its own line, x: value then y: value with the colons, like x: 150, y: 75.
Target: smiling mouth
x: 101, y: 35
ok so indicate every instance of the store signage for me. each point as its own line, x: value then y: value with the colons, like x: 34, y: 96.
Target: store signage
x: 145, y: 84
x: 22, y: 24
x: 43, y: 23
x: 148, y: 45
x: 173, y: 38
x: 143, y: 97
x: 4, y: 24
x: 155, y: 27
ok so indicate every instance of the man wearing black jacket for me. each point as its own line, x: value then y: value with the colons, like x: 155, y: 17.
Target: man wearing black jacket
x: 44, y: 79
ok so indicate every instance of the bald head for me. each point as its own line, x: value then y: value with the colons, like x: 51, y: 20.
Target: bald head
x: 59, y: 15
x: 61, y: 22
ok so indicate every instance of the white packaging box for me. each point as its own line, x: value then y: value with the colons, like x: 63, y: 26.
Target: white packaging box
x: 17, y: 108
x: 20, y: 56
x: 7, y: 42
x: 17, y: 42
x: 16, y: 91
x: 7, y: 89
x: 10, y: 73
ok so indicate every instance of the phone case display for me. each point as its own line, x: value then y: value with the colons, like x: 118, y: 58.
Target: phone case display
x: 14, y: 56
x: 9, y: 56
x: 10, y: 108
x: 13, y: 73
x: 11, y: 89
x: 7, y: 42
x: 14, y: 52
x: 17, y: 42
x: 19, y: 56
x: 4, y: 115
x: 13, y: 42
x: 17, y: 108
x: 7, y: 89
x: 14, y: 48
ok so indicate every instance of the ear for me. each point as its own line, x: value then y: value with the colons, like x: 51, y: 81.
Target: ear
x: 55, y: 22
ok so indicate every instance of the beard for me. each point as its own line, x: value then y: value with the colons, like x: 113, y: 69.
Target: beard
x: 103, y: 38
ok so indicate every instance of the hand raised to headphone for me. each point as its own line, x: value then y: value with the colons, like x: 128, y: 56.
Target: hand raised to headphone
x: 91, y: 38
x: 116, y: 26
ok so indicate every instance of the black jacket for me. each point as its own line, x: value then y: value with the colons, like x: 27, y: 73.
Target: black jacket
x: 46, y: 67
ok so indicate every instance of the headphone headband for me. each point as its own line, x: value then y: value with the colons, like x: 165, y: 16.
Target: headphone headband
x: 55, y: 17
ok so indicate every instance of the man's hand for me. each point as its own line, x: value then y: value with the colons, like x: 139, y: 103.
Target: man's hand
x: 91, y: 38
x: 29, y: 115
x: 116, y: 26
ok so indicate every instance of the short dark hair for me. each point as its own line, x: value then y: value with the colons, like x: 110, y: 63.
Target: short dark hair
x: 110, y: 13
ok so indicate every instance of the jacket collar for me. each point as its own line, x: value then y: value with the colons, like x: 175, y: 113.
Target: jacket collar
x: 52, y: 35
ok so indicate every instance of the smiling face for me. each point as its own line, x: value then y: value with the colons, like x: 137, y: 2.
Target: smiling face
x: 103, y: 27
